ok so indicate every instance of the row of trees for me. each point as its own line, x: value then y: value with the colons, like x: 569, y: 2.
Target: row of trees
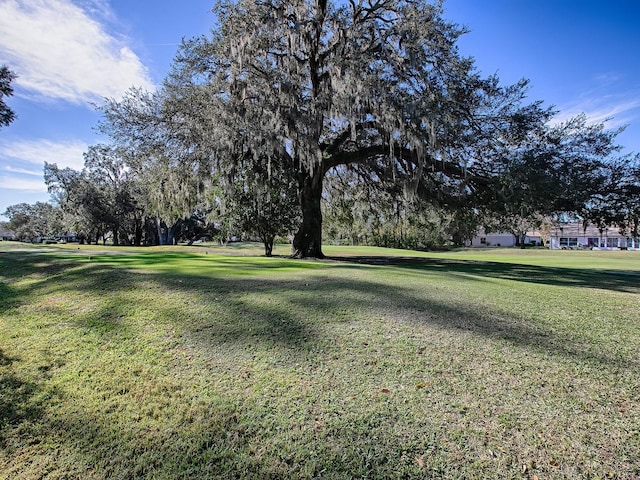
x: 362, y: 111
x: 33, y: 222
x: 149, y: 202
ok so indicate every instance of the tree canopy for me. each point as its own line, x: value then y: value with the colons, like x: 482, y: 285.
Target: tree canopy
x: 34, y: 222
x: 374, y: 91
x: 6, y: 90
x: 102, y: 198
x: 378, y: 86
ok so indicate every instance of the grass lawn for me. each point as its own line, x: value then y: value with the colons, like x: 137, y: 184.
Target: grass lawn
x: 203, y: 362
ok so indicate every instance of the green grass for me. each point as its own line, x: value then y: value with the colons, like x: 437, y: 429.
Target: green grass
x: 199, y: 362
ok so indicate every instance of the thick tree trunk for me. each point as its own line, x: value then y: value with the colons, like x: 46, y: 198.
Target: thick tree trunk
x: 159, y: 230
x: 517, y: 237
x: 137, y: 238
x: 268, y: 240
x: 116, y: 236
x: 308, y: 240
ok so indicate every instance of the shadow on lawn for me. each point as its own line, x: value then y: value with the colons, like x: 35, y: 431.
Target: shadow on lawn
x: 295, y: 326
x: 622, y: 281
x: 238, y: 320
x: 299, y: 319
x: 17, y: 403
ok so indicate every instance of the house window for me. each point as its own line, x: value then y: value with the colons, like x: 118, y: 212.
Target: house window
x: 483, y: 240
x: 593, y: 242
x: 570, y: 242
x: 612, y: 242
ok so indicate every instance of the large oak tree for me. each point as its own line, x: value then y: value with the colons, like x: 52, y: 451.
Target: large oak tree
x: 377, y: 87
x: 314, y: 85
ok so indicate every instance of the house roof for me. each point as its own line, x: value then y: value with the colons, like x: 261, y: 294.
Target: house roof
x: 578, y: 230
x: 5, y: 232
x: 483, y: 232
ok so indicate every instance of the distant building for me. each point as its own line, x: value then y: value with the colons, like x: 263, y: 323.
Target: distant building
x: 502, y: 239
x: 67, y: 237
x: 58, y: 238
x: 565, y: 236
x: 6, y: 234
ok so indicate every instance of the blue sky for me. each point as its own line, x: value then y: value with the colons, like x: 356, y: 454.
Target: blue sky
x: 580, y: 55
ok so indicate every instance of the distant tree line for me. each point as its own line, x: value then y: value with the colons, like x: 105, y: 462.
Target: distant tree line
x: 356, y: 122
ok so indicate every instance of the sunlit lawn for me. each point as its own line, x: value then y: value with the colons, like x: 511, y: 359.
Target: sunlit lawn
x: 203, y: 362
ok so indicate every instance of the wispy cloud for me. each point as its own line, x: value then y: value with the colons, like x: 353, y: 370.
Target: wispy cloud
x: 23, y: 171
x: 608, y: 78
x: 12, y: 182
x: 64, y: 153
x: 614, y: 111
x: 608, y: 101
x: 63, y: 51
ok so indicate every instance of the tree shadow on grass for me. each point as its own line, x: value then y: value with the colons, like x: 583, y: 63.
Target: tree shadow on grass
x: 296, y: 327
x: 304, y: 312
x: 17, y: 404
x: 296, y: 320
x: 40, y: 268
x: 217, y: 281
x: 8, y: 297
x: 620, y: 281
x: 406, y: 307
x: 232, y: 440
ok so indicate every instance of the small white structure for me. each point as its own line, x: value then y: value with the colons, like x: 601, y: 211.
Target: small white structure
x: 492, y: 239
x: 572, y: 236
x: 6, y: 234
x: 502, y: 239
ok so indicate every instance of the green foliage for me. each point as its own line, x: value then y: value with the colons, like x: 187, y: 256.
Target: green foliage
x: 6, y: 90
x: 35, y: 222
x: 261, y: 203
x: 105, y: 197
x: 463, y: 225
x: 618, y: 200
x: 374, y: 91
x: 546, y: 171
x: 378, y: 88
x: 357, y: 212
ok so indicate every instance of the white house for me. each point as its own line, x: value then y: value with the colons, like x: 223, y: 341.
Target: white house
x: 575, y: 236
x: 6, y: 234
x: 501, y: 239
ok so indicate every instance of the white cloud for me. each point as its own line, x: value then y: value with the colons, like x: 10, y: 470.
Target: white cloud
x: 606, y: 103
x: 614, y: 113
x: 62, y: 51
x: 24, y: 171
x: 24, y: 161
x: 65, y: 153
x: 11, y: 182
x: 608, y: 78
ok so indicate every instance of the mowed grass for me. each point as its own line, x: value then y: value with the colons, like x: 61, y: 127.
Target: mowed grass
x: 184, y: 362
